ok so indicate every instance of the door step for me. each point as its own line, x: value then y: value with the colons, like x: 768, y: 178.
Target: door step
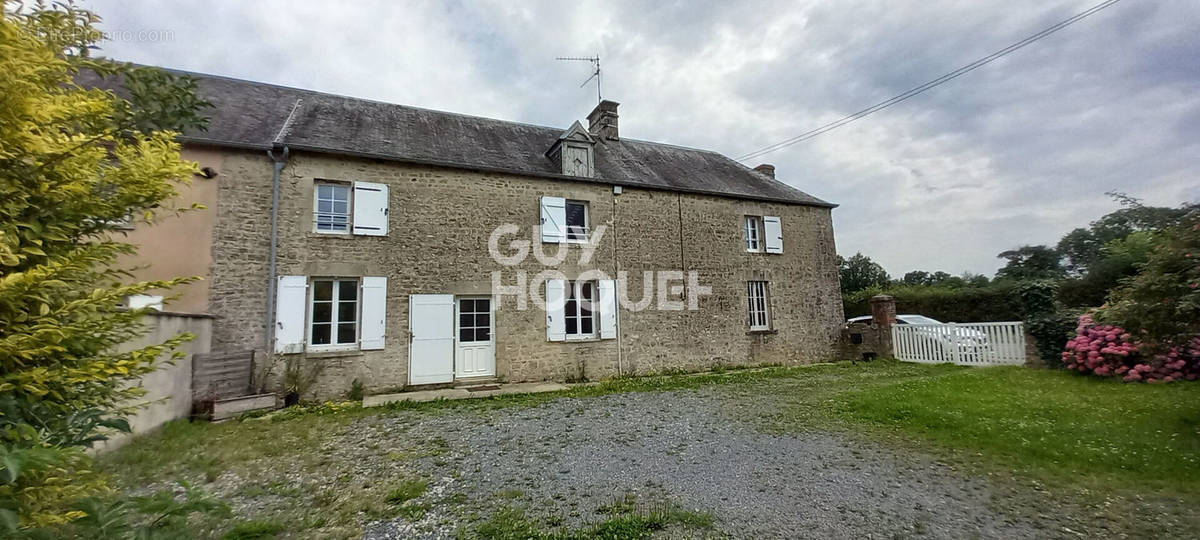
x: 467, y: 383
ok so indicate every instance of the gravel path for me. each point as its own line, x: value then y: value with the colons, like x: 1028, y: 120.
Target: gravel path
x: 568, y: 458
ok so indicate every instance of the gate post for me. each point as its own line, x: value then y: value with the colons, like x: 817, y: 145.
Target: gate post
x: 883, y: 317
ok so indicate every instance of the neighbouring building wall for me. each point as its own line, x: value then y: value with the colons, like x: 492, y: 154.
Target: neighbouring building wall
x: 440, y: 222
x: 180, y: 245
x: 169, y: 389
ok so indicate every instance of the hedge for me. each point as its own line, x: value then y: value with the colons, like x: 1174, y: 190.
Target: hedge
x: 998, y: 302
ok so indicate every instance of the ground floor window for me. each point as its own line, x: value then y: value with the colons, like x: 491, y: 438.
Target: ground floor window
x: 334, y: 320
x: 580, y: 309
x: 759, y: 310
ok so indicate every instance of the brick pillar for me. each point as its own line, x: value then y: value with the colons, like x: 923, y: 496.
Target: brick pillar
x: 883, y: 316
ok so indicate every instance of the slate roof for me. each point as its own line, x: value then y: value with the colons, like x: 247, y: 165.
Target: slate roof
x: 251, y: 115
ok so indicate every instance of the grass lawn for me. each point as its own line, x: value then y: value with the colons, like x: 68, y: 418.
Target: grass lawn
x: 1121, y: 442
x: 1052, y: 424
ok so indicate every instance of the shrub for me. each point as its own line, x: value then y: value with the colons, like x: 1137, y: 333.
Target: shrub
x: 356, y: 391
x: 996, y: 302
x: 1109, y: 351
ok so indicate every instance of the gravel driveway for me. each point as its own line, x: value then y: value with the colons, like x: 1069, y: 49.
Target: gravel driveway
x: 564, y: 460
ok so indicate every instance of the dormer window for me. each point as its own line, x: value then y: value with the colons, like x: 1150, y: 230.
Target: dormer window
x: 574, y: 152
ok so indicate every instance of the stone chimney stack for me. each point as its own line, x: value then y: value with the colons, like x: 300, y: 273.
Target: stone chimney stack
x: 766, y: 169
x: 602, y: 122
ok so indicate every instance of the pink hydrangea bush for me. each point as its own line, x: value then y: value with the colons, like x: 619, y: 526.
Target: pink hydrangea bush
x: 1110, y: 351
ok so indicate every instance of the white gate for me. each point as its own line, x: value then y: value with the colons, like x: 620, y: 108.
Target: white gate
x: 967, y: 344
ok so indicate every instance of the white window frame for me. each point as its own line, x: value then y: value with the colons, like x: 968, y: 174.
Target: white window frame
x: 333, y: 344
x: 587, y: 221
x: 758, y: 296
x: 349, y: 223
x: 574, y: 293
x: 754, y: 234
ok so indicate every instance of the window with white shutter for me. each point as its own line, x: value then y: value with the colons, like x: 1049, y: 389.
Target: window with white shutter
x: 370, y: 209
x: 554, y: 220
x: 333, y: 318
x: 608, y: 308
x: 331, y: 207
x: 555, y: 300
x: 773, y: 234
x: 754, y: 233
x: 291, y: 295
x: 374, y: 312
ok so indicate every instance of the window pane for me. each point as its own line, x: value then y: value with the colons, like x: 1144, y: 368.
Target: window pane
x: 324, y: 191
x: 572, y: 328
x: 320, y: 334
x: 483, y: 334
x: 346, y: 333
x: 348, y: 290
x: 322, y: 312
x: 324, y: 207
x: 339, y: 207
x: 466, y: 320
x: 466, y: 335
x: 569, y: 308
x: 576, y: 215
x: 347, y: 311
x: 340, y: 193
x: 585, y: 325
x: 323, y: 290
x: 466, y: 306
x: 483, y: 319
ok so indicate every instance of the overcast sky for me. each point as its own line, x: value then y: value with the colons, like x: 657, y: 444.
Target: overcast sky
x: 1018, y: 152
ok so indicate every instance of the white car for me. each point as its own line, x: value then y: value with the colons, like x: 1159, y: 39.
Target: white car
x: 967, y: 337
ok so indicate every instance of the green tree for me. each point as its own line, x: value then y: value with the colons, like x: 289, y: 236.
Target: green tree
x: 1161, y: 304
x: 917, y: 277
x: 75, y: 163
x: 859, y: 272
x: 1083, y: 247
x: 1031, y: 263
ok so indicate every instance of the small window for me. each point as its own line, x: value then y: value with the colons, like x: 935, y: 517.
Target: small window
x: 580, y: 309
x: 759, y: 306
x: 331, y: 208
x: 753, y: 233
x: 334, y: 313
x: 577, y: 221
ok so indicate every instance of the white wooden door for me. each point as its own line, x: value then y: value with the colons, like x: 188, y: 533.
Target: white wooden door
x: 476, y: 339
x: 431, y: 331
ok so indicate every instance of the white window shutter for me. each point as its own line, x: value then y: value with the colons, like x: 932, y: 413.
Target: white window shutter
x: 291, y: 299
x: 773, y: 234
x: 374, y: 312
x: 608, y: 308
x: 554, y: 220
x: 556, y: 320
x: 370, y: 209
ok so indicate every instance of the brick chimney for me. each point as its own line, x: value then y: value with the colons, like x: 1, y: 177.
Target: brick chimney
x: 766, y: 169
x: 602, y: 122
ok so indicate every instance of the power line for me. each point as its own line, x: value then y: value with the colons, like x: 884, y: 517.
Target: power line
x: 922, y: 88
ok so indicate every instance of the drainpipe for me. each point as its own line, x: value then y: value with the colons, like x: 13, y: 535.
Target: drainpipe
x: 279, y: 155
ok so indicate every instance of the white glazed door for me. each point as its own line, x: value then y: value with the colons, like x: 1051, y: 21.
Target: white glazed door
x: 476, y: 340
x: 431, y: 329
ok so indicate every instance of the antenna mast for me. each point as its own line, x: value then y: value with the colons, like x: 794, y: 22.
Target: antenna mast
x: 595, y: 60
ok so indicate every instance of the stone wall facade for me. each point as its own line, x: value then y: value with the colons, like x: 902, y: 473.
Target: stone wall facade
x: 440, y: 222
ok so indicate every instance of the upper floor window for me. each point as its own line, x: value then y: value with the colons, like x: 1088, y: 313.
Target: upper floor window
x: 332, y: 207
x: 764, y: 233
x: 753, y: 233
x: 350, y: 208
x: 564, y: 221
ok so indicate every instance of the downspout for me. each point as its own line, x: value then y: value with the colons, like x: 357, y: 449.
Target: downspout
x: 616, y: 278
x: 279, y: 156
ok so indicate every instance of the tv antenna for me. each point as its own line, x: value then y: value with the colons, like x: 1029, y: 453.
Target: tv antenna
x: 595, y: 60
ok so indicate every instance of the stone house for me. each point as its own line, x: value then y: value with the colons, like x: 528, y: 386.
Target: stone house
x: 382, y: 215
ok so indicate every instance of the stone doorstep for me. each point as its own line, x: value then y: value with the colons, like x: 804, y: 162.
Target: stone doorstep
x: 463, y: 393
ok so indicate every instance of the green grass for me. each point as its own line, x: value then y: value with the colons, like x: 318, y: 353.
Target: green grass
x: 254, y: 530
x: 510, y: 523
x: 1049, y: 423
x: 1112, y: 439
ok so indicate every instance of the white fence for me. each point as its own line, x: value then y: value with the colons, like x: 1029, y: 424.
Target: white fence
x: 967, y: 344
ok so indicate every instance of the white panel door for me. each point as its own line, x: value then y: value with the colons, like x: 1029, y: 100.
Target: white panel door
x: 476, y: 339
x: 431, y: 330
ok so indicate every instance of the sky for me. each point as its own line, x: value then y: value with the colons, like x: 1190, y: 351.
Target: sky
x: 1018, y: 152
